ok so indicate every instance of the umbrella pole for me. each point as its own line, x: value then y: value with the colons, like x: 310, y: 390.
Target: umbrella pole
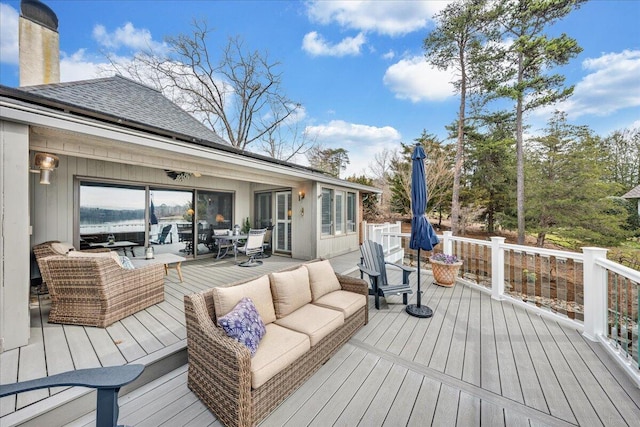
x: 418, y: 310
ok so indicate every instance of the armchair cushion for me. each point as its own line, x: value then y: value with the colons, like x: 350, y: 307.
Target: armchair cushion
x: 225, y: 299
x: 290, y: 290
x: 244, y: 324
x: 322, y: 279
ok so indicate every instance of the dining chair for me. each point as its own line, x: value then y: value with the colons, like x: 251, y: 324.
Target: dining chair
x: 253, y: 248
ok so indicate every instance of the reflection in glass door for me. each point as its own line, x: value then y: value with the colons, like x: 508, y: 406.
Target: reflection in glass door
x: 171, y: 221
x: 282, y: 230
x: 214, y: 211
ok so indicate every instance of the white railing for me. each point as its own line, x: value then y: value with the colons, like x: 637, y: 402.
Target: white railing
x: 585, y: 289
x: 388, y: 235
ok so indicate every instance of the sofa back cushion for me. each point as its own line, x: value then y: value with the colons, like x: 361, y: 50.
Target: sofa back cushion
x: 111, y: 254
x: 322, y: 279
x: 225, y: 299
x: 290, y: 290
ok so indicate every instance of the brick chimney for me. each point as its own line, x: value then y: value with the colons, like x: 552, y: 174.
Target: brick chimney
x: 39, y: 44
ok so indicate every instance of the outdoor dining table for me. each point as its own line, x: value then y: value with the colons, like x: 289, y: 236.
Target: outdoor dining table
x: 123, y: 244
x: 234, y: 239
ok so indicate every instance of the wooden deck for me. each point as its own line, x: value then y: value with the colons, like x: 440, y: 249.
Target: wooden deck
x: 477, y: 361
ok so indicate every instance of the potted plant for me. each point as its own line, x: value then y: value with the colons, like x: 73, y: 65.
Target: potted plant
x: 445, y: 269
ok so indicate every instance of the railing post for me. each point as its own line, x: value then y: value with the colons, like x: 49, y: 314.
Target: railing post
x: 595, y: 294
x: 387, y: 244
x: 447, y: 243
x: 497, y: 268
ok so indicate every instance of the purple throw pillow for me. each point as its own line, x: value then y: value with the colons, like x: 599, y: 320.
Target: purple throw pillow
x: 244, y: 324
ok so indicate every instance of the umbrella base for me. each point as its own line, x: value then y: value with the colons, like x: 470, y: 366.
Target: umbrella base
x: 423, y: 311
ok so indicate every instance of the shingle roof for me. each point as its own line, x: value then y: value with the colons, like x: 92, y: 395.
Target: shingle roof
x: 129, y: 100
x: 633, y: 193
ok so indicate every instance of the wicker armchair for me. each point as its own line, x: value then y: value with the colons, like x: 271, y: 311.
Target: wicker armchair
x: 51, y: 248
x: 98, y: 291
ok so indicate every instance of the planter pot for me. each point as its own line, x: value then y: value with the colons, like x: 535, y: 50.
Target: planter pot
x: 445, y: 274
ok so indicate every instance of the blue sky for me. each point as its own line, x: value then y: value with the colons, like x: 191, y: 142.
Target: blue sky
x: 357, y: 68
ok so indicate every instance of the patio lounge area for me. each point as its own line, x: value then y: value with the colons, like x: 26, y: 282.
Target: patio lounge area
x: 477, y: 361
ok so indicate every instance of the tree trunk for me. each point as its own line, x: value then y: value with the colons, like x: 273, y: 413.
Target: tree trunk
x: 520, y: 156
x: 491, y: 226
x: 540, y: 239
x: 455, y: 198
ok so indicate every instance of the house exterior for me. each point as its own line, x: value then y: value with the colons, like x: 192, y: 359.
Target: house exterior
x: 114, y: 134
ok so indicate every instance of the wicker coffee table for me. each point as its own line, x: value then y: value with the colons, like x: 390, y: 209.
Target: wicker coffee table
x: 169, y: 261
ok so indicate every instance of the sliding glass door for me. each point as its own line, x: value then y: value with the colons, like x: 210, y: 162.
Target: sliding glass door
x: 178, y: 221
x: 111, y: 213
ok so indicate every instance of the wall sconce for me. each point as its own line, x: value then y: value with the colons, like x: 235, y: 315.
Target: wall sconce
x: 301, y: 195
x: 45, y: 164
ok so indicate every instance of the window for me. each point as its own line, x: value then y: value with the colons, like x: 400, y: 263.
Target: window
x: 351, y: 212
x: 340, y: 225
x: 327, y: 211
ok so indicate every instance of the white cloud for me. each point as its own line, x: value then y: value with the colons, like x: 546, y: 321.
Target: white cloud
x: 389, y: 55
x: 127, y: 36
x: 393, y: 18
x: 314, y: 44
x: 612, y: 85
x: 416, y: 80
x: 362, y: 142
x: 78, y: 67
x: 8, y: 34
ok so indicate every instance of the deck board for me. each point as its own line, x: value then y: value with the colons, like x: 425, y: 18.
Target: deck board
x: 9, y: 375
x: 476, y: 362
x: 127, y: 345
x: 507, y: 370
x: 106, y: 350
x: 555, y: 397
x: 32, y: 363
x: 529, y: 381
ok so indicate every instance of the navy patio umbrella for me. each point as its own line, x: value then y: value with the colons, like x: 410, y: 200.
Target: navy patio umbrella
x: 153, y: 219
x: 423, y: 236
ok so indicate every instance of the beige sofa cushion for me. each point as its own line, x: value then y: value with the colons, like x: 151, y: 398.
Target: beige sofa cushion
x: 322, y: 279
x: 111, y: 254
x: 314, y: 321
x: 225, y: 299
x: 279, y: 348
x: 346, y: 302
x: 62, y: 247
x: 290, y: 290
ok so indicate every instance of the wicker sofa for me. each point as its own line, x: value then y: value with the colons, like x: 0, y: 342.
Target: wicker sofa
x: 91, y: 288
x: 241, y: 390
